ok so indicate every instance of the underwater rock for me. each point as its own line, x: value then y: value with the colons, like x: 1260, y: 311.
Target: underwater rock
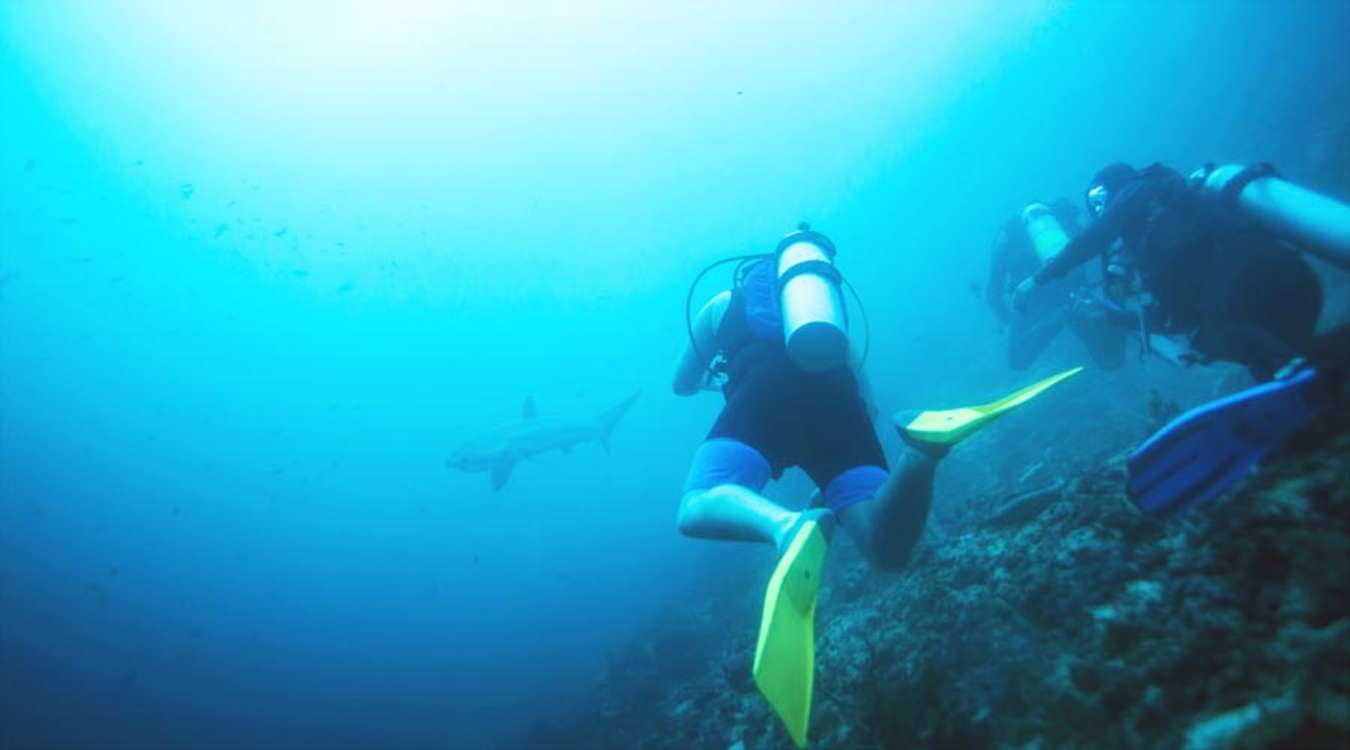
x: 1254, y: 725
x: 1024, y: 506
x: 1037, y: 622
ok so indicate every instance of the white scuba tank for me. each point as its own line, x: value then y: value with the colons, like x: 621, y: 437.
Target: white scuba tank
x: 1046, y: 233
x: 815, y: 326
x: 1314, y: 222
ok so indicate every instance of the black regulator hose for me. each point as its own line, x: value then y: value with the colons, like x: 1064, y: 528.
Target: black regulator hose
x: 867, y: 326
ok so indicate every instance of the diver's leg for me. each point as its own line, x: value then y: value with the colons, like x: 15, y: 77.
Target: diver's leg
x: 884, y: 512
x: 722, y: 497
x: 1105, y: 342
x: 1267, y: 315
x: 887, y: 526
x: 731, y: 512
x: 1031, y: 335
x: 1253, y: 346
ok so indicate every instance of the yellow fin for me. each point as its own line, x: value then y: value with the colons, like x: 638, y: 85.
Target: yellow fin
x: 951, y: 426
x: 785, y: 654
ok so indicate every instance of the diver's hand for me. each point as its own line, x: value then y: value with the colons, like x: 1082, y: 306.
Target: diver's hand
x: 712, y: 381
x: 1023, y: 292
x: 1084, y: 306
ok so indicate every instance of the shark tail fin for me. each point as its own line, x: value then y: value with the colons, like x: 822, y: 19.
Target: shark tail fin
x: 605, y: 425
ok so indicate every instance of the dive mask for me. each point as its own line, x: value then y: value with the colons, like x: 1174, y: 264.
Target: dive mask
x: 1096, y: 200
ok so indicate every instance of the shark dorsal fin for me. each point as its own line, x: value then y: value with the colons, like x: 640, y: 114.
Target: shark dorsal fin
x: 530, y: 412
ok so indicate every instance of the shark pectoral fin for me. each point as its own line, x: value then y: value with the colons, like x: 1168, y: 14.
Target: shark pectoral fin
x: 502, y: 472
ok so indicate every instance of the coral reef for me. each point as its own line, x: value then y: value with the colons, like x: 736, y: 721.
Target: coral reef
x: 1057, y: 618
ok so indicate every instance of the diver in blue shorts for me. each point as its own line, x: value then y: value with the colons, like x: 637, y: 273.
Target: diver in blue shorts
x: 779, y: 414
x: 778, y: 346
x: 794, y: 401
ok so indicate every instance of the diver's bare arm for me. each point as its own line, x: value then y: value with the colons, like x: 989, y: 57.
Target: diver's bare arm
x: 698, y: 354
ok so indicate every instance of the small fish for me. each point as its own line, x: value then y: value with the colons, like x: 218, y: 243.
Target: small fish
x: 232, y: 204
x: 347, y: 287
x: 221, y: 228
x: 30, y: 165
x: 300, y: 273
x: 279, y: 233
x: 140, y: 162
x: 100, y: 598
x: 186, y: 190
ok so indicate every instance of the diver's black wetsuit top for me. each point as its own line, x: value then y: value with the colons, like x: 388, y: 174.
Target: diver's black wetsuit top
x: 1245, y: 297
x: 1145, y: 208
x: 817, y: 421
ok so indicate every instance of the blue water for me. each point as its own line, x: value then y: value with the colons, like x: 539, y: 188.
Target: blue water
x: 264, y: 265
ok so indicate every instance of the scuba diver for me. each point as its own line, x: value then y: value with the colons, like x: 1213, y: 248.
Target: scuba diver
x: 1211, y: 264
x: 777, y: 344
x: 1026, y: 241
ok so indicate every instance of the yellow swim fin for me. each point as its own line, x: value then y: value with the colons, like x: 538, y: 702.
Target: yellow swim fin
x: 949, y: 427
x: 785, y: 656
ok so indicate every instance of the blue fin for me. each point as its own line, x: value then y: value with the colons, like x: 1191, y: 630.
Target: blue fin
x: 1203, y: 451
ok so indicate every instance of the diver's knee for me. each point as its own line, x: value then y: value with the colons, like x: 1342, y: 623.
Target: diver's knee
x: 687, y: 514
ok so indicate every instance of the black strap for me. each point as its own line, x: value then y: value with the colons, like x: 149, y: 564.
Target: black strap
x: 1242, y: 179
x: 817, y: 267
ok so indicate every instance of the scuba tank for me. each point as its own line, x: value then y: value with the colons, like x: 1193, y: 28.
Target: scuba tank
x: 1315, y: 223
x: 815, y: 324
x: 810, y: 303
x: 1047, y: 235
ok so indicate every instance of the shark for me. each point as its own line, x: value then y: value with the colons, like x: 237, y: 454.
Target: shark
x: 499, y: 450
